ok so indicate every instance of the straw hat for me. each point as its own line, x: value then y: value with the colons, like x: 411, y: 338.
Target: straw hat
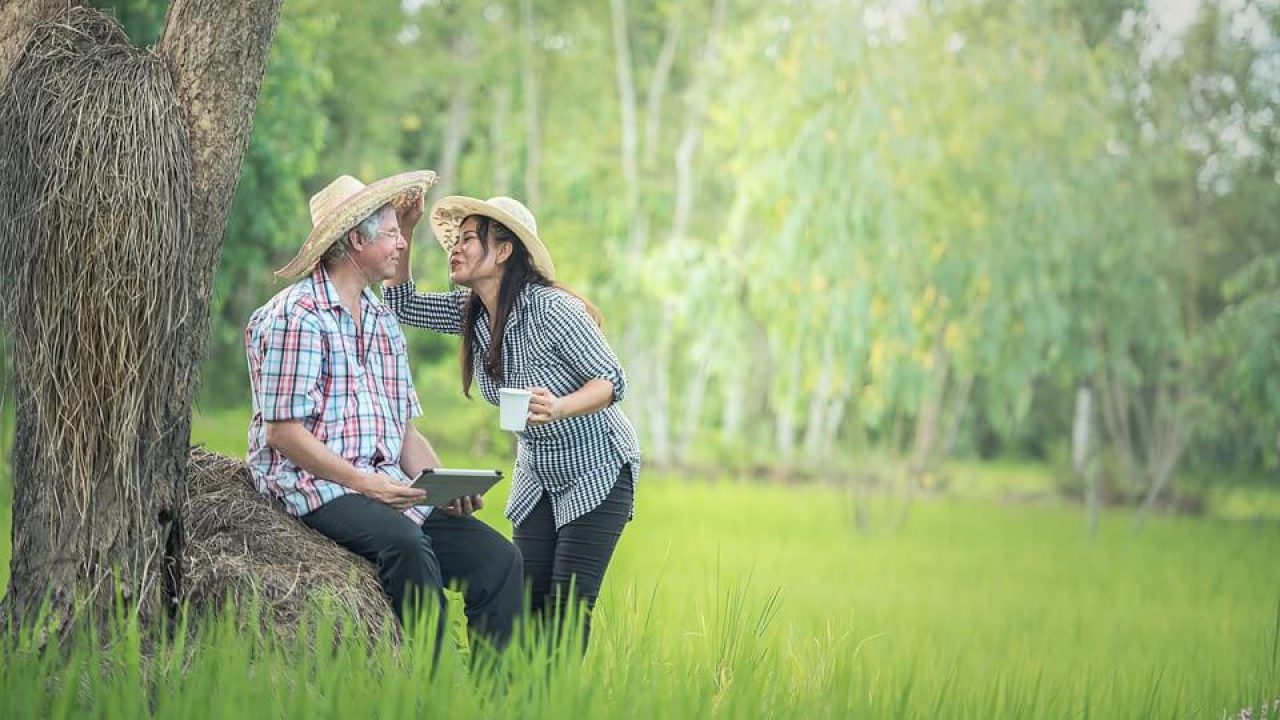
x: 345, y: 203
x: 449, y: 212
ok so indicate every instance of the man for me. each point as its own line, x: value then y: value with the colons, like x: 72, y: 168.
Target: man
x: 333, y: 399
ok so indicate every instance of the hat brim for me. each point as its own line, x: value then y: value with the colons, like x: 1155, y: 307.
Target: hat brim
x: 449, y: 212
x: 399, y: 190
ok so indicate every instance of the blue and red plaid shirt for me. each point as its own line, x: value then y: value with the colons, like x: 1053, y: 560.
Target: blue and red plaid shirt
x: 354, y: 393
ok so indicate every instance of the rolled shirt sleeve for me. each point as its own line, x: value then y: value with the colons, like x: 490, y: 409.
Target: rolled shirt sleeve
x: 582, y: 346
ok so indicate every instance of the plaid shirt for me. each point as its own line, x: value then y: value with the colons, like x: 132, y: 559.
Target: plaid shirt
x: 550, y: 341
x: 355, y: 394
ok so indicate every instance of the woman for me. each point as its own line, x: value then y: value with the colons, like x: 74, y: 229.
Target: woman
x: 577, y: 462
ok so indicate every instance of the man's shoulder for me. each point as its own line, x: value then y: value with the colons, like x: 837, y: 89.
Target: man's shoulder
x: 298, y: 301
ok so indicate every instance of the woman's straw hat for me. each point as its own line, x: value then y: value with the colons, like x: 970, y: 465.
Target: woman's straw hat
x: 449, y: 212
x: 345, y: 203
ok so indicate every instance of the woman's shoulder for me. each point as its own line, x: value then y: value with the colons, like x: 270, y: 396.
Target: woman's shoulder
x: 546, y: 298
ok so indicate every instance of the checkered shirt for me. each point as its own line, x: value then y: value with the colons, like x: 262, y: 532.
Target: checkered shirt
x: 550, y: 341
x: 355, y: 394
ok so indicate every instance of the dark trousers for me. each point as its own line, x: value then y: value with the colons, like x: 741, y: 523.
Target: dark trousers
x: 577, y: 553
x: 417, y: 563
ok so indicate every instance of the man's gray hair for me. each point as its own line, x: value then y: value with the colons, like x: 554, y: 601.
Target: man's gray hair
x: 368, y: 229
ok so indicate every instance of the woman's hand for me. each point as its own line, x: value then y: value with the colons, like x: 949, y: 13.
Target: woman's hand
x: 384, y: 490
x: 544, y: 407
x: 408, y: 217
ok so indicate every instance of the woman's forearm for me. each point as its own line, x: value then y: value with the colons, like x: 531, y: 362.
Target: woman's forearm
x: 595, y: 395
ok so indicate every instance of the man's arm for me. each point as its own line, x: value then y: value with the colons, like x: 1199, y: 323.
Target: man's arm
x: 291, y: 439
x: 417, y: 454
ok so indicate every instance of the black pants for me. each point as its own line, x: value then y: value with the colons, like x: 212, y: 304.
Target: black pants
x: 415, y: 563
x: 579, y: 552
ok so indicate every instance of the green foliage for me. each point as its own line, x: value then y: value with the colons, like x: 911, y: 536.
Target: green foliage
x: 914, y: 228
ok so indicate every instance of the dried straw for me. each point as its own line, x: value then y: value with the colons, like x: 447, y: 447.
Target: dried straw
x: 241, y: 545
x: 95, y: 185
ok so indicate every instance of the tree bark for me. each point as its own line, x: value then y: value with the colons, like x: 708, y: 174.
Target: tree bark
x: 17, y: 17
x: 124, y: 543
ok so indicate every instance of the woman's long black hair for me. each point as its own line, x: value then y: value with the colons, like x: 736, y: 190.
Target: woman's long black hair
x: 518, y: 272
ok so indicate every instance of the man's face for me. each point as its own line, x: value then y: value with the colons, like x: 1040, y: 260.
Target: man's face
x: 378, y: 256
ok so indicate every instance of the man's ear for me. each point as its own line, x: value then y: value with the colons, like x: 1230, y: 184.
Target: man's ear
x: 354, y: 239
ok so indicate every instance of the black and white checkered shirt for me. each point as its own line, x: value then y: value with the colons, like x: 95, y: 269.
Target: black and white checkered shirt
x: 550, y: 341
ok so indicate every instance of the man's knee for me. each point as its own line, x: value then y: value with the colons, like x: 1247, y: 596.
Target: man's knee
x: 511, y: 557
x: 407, y: 546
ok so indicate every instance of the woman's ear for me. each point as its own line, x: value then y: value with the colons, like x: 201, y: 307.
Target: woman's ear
x: 504, y: 252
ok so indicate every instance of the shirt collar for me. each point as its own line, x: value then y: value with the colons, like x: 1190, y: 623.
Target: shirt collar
x: 326, y: 293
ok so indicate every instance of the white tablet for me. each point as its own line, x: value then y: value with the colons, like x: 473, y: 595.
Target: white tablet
x: 444, y: 485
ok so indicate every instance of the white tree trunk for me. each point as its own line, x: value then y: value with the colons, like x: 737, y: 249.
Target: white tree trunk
x: 457, y: 126
x: 657, y: 91
x: 532, y: 123
x: 1082, y: 462
x: 630, y: 140
x: 498, y: 140
x: 695, y: 393
x: 784, y: 408
x: 819, y: 404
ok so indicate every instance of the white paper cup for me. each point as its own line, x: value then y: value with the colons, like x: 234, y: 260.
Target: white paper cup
x: 513, y: 408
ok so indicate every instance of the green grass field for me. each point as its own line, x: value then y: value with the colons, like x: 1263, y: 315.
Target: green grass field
x: 732, y: 599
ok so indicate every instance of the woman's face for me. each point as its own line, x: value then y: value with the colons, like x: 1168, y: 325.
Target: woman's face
x: 470, y: 262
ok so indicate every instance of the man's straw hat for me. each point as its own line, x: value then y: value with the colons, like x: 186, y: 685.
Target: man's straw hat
x: 449, y: 212
x: 345, y: 203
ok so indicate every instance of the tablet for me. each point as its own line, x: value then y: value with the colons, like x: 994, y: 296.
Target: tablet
x: 444, y: 485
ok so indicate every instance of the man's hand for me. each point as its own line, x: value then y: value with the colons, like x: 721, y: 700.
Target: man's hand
x: 464, y: 506
x: 401, y: 497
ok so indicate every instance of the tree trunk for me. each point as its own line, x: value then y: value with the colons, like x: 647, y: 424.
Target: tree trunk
x: 660, y: 395
x: 498, y: 139
x: 532, y: 125
x: 17, y: 17
x: 657, y: 91
x: 1081, y: 461
x: 784, y: 409
x: 692, y: 136
x: 456, y: 125
x: 733, y: 408
x: 819, y: 403
x: 630, y: 139
x: 128, y: 538
x: 695, y: 393
x: 1168, y: 437
x: 927, y: 421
